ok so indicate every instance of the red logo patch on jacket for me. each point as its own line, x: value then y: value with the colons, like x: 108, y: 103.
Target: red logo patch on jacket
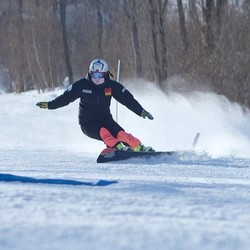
x: 107, y: 91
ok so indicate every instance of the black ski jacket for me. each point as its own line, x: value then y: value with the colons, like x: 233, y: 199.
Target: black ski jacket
x: 95, y: 99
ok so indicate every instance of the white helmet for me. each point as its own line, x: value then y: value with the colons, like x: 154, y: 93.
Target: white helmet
x: 98, y: 66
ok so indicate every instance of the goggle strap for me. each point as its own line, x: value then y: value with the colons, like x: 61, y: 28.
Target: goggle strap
x: 111, y: 74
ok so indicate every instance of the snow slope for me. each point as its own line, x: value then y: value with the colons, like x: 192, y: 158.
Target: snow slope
x: 53, y: 195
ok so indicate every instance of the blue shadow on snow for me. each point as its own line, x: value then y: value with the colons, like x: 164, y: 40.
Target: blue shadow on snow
x: 24, y: 179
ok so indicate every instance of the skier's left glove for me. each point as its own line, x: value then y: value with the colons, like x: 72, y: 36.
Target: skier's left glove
x: 43, y: 105
x: 145, y: 114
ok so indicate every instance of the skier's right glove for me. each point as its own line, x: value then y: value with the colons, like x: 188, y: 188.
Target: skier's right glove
x: 145, y: 114
x: 42, y: 105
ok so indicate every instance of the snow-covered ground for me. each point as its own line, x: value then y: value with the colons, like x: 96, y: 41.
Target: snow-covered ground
x: 53, y: 194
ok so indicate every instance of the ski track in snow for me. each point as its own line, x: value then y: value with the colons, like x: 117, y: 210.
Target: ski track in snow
x: 53, y: 194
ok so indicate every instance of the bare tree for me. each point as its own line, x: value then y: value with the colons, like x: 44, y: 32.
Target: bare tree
x: 97, y: 5
x: 220, y: 9
x: 209, y: 35
x: 43, y: 43
x: 157, y: 12
x: 20, y: 71
x: 131, y: 13
x: 38, y: 60
x: 204, y: 21
x: 100, y: 27
x: 63, y: 6
x: 182, y: 24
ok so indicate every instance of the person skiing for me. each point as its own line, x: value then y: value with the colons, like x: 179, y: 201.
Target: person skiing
x: 95, y: 92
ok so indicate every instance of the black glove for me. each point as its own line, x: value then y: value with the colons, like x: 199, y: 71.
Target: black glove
x: 145, y: 114
x: 42, y: 105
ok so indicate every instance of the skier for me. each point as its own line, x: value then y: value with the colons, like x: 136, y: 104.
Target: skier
x: 95, y: 92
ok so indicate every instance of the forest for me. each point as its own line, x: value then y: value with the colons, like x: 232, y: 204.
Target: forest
x: 177, y: 45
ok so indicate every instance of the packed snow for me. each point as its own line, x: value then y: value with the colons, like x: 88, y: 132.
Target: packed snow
x: 53, y: 194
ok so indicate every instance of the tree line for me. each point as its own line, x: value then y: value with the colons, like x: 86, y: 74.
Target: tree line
x: 175, y: 44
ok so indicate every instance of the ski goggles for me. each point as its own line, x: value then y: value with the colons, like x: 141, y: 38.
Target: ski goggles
x: 97, y: 75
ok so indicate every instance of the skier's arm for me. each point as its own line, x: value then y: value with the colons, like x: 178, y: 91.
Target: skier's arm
x: 122, y: 95
x: 70, y: 95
